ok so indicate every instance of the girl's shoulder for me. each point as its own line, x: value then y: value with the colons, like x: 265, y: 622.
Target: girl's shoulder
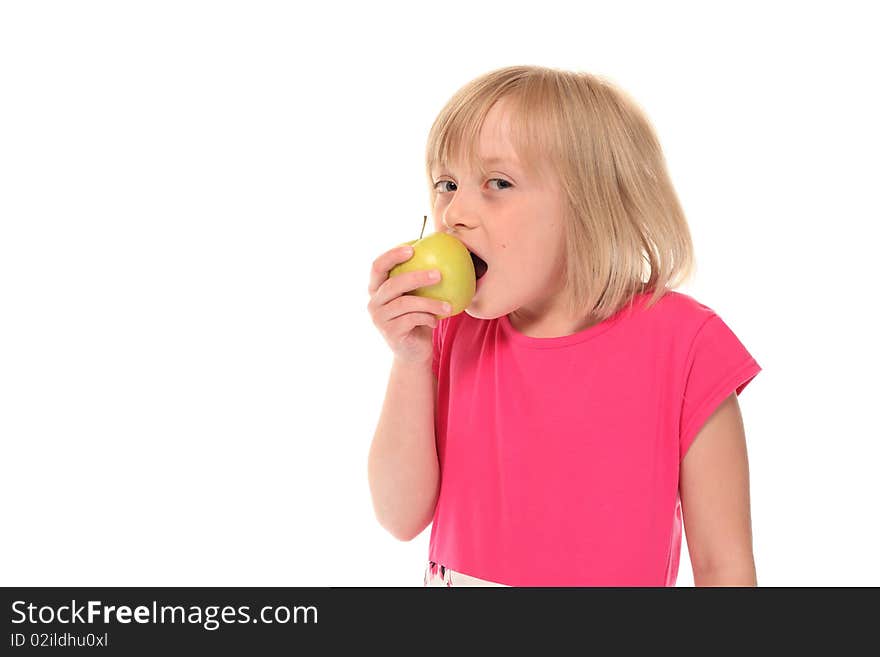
x: 683, y: 307
x: 675, y: 313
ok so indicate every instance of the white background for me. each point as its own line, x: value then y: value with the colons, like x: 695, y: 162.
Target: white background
x: 192, y: 195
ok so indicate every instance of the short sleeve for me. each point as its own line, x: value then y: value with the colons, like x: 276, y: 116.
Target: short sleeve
x: 717, y: 365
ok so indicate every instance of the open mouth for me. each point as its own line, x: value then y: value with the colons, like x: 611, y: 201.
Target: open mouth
x: 480, y: 266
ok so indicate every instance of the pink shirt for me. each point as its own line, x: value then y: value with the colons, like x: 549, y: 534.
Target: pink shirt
x: 559, y: 457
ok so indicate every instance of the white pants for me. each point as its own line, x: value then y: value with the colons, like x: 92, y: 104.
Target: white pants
x: 438, y: 575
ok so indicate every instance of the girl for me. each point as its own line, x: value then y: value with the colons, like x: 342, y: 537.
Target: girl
x: 549, y: 432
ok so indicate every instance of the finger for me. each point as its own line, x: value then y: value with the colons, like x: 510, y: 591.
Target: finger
x: 396, y: 286
x: 385, y: 263
x: 411, y: 303
x: 405, y: 323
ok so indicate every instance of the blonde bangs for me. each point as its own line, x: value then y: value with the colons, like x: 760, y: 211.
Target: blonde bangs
x: 625, y: 229
x: 454, y: 136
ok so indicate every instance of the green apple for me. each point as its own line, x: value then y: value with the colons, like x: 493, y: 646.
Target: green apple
x: 458, y: 280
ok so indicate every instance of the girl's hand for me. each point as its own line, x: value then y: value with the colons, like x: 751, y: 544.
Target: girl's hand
x: 406, y: 321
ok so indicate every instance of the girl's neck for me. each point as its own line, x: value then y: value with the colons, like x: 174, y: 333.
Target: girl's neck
x: 547, y: 325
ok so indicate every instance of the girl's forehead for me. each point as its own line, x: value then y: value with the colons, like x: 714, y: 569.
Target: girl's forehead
x: 486, y: 161
x: 505, y: 139
x: 488, y: 152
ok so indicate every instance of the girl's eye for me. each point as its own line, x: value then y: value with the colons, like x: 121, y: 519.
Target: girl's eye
x: 500, y: 180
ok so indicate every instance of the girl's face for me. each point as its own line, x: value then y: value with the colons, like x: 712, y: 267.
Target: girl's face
x: 513, y: 222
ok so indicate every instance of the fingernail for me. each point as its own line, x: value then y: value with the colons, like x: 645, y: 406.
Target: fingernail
x: 407, y: 251
x: 434, y: 275
x: 446, y: 307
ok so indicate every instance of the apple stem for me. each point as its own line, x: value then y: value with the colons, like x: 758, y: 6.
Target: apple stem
x: 423, y: 226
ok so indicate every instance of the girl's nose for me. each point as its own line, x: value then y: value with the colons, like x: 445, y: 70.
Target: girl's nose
x: 459, y: 211
x: 456, y: 219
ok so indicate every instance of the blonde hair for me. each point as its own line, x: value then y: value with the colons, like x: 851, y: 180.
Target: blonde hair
x: 621, y: 211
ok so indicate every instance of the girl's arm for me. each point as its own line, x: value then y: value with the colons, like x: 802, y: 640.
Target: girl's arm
x: 403, y: 469
x: 714, y: 491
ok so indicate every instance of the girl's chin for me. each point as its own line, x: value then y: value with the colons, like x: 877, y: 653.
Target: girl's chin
x: 480, y: 283
x: 477, y: 300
